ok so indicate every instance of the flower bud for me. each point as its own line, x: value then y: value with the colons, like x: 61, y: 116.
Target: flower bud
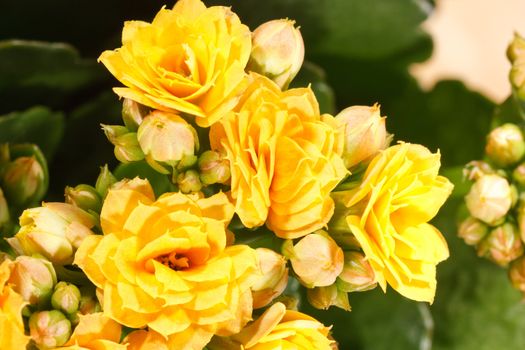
x: 324, y: 297
x: 517, y: 78
x: 489, y: 199
x: 49, y: 329
x: 477, y: 168
x: 54, y: 230
x: 167, y: 138
x: 66, y: 298
x: 472, y: 231
x: 189, y: 181
x: 104, y: 181
x: 213, y: 168
x: 85, y: 197
x: 357, y: 274
x: 273, y: 279
x: 24, y: 181
x: 33, y: 278
x: 88, y: 303
x: 364, y: 133
x: 133, y: 113
x: 518, y: 175
x: 516, y: 50
x: 502, y: 245
x: 517, y: 274
x: 317, y: 260
x: 505, y: 145
x: 277, y: 51
x: 127, y: 148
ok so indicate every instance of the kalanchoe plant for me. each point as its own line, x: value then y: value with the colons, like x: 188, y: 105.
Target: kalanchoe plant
x: 251, y: 195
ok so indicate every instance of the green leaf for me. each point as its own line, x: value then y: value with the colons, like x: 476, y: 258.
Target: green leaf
x: 442, y: 119
x: 38, y: 125
x: 314, y: 76
x: 377, y: 322
x: 42, y: 73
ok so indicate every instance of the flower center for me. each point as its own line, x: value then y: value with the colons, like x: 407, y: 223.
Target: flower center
x: 174, y: 261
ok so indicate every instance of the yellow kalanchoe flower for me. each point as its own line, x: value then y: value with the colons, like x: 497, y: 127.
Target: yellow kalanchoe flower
x: 95, y: 332
x: 400, y: 192
x: 164, y: 264
x: 278, y: 328
x: 285, y: 158
x: 190, y: 59
x: 11, y: 304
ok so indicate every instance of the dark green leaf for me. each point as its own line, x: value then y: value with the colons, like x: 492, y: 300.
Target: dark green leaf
x: 37, y: 125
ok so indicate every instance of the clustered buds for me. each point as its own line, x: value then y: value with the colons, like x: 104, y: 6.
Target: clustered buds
x: 327, y: 271
x: 516, y: 55
x: 496, y: 201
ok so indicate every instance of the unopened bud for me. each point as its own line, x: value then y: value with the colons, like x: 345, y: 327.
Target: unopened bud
x: 516, y: 49
x: 517, y: 78
x: 324, y: 297
x: 133, y: 113
x: 517, y: 274
x: 277, y: 51
x: 104, y: 181
x: 505, y: 145
x: 127, y: 148
x: 33, y: 278
x: 489, y: 199
x: 88, y: 303
x: 472, y: 230
x: 23, y: 181
x: 273, y: 279
x: 167, y: 138
x: 357, y: 274
x: 477, y: 168
x: 189, y: 181
x: 364, y: 133
x: 502, y: 245
x: 49, y: 329
x: 317, y: 260
x: 213, y: 168
x: 66, y: 297
x: 85, y: 197
x: 54, y: 230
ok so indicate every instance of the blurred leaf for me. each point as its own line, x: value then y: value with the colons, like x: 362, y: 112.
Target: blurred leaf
x: 85, y: 148
x: 43, y: 73
x: 377, y: 322
x: 37, y: 125
x: 159, y: 182
x: 314, y: 76
x: 508, y: 112
x: 443, y: 119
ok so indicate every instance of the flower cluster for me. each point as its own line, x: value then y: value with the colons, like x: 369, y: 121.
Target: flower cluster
x: 259, y: 188
x: 496, y: 200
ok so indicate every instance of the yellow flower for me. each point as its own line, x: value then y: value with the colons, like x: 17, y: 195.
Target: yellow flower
x: 190, y: 59
x: 11, y: 304
x: 94, y: 332
x: 284, y: 157
x: 278, y: 328
x: 165, y: 264
x: 400, y: 192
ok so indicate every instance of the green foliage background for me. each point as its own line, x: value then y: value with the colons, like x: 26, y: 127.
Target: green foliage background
x: 56, y: 95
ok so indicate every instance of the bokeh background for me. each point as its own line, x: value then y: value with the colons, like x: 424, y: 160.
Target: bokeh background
x: 438, y: 70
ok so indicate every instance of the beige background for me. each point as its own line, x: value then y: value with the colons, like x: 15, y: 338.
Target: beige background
x: 470, y: 40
